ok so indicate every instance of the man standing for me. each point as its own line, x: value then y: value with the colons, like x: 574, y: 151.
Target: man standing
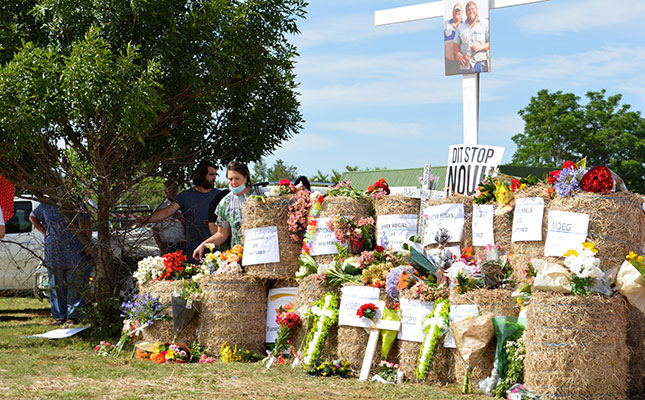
x: 169, y: 234
x: 449, y: 33
x: 472, y: 42
x: 193, y: 204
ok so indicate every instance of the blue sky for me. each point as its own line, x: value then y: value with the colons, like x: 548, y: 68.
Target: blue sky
x: 377, y: 96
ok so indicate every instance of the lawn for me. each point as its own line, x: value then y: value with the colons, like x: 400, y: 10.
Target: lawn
x: 69, y: 369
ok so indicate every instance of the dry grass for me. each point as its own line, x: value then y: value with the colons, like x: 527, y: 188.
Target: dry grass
x: 69, y: 369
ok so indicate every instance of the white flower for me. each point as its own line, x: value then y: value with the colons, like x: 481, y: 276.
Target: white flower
x: 275, y: 191
x: 149, y: 268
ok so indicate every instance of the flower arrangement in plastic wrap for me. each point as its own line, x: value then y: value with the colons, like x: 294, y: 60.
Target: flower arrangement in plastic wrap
x: 566, y: 181
x: 388, y: 372
x: 298, y: 214
x: 585, y: 273
x: 357, y: 235
x: 148, y: 269
x: 288, y: 320
x: 320, y: 367
x: 163, y: 353
x: 144, y: 310
x: 229, y: 261
x: 465, y: 274
x: 378, y: 189
x: 105, y: 349
x: 232, y: 353
x: 344, y: 188
x: 174, y: 265
x: 376, y: 274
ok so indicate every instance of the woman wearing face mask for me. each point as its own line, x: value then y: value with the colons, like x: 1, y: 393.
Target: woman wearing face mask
x: 230, y: 210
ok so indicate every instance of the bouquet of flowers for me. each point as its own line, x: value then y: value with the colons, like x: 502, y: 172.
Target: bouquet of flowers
x: 376, y: 274
x: 105, y: 349
x: 330, y: 368
x: 288, y: 320
x: 298, y: 213
x: 229, y: 261
x: 379, y: 189
x: 145, y: 309
x: 367, y: 310
x: 162, y: 353
x: 583, y: 264
x: 357, y: 235
x: 230, y: 353
x: 286, y: 187
x: 600, y: 179
x: 388, y: 372
x: 148, y: 269
x: 344, y: 188
x: 567, y: 180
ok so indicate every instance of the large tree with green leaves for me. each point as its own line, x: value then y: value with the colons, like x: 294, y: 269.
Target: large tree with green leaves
x: 558, y: 128
x: 97, y: 96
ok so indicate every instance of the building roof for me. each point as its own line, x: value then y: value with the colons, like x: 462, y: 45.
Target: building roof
x: 409, y: 177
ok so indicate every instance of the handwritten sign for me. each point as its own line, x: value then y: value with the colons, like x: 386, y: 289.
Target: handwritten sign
x: 352, y: 298
x: 566, y: 230
x: 394, y: 229
x: 483, y: 215
x: 468, y: 165
x: 324, y: 240
x: 449, y: 216
x: 261, y: 246
x: 527, y: 219
x: 277, y: 297
x: 459, y: 312
x: 412, y: 314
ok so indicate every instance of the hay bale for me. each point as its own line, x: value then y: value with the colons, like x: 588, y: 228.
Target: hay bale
x: 396, y: 204
x: 616, y: 223
x: 273, y: 211
x: 308, y: 293
x: 163, y: 331
x: 498, y: 302
x: 523, y: 252
x: 636, y: 346
x: 502, y: 230
x: 576, y: 346
x: 467, y: 235
x: 234, y: 310
x: 343, y: 205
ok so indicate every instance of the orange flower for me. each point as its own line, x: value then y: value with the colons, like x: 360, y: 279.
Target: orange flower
x: 159, y: 358
x: 237, y: 249
x: 403, y: 281
x: 142, y: 355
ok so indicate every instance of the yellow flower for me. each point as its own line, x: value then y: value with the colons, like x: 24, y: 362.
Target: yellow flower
x: 571, y: 252
x: 232, y: 258
x: 502, y: 193
x: 210, y: 257
x: 237, y: 249
x: 590, y: 246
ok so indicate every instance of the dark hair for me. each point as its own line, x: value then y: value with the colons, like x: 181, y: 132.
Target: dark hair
x: 304, y: 181
x: 241, y: 168
x: 199, y: 174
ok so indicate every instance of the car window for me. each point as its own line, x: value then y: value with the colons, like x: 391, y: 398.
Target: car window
x: 19, y: 223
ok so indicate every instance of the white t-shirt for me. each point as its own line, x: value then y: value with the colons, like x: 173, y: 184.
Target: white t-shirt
x: 1, y: 217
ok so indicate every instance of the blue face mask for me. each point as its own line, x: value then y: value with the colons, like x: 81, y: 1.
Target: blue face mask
x: 237, y: 190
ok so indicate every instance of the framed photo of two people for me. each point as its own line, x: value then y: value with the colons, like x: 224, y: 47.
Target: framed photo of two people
x: 466, y: 36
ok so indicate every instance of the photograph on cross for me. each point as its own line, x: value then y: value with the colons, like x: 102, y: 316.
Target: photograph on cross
x: 466, y: 37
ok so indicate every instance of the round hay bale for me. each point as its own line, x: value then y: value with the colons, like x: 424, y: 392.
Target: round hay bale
x: 523, y: 252
x: 440, y: 371
x: 163, y: 331
x: 234, y: 309
x: 636, y: 346
x: 308, y: 293
x: 498, y: 302
x: 273, y: 211
x: 343, y: 205
x: 616, y: 223
x: 576, y: 346
x: 467, y: 234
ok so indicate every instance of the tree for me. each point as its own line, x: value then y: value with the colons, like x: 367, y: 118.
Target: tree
x: 558, y: 128
x: 279, y: 170
x: 97, y: 97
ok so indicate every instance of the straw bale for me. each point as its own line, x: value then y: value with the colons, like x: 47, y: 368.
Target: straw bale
x: 234, y: 310
x: 467, y: 201
x: 273, y: 211
x: 502, y: 230
x: 576, y: 346
x: 498, y: 302
x: 616, y: 223
x: 440, y: 371
x: 396, y: 204
x: 352, y: 343
x: 346, y: 206
x: 308, y: 293
x: 282, y: 283
x: 163, y: 331
x: 636, y: 346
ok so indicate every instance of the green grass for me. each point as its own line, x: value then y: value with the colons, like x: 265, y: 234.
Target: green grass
x: 69, y: 369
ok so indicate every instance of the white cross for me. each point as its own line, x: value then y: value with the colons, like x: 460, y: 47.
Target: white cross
x: 470, y: 82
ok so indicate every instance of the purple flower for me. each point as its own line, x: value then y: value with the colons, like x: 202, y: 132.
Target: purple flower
x: 568, y: 181
x: 392, y: 280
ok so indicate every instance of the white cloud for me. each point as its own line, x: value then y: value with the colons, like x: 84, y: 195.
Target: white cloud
x: 381, y: 128
x: 582, y: 15
x: 306, y: 140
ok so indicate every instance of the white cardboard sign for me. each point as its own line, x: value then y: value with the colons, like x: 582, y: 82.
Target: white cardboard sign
x: 527, y: 219
x: 277, y: 297
x: 449, y: 216
x: 393, y: 230
x: 566, y: 230
x: 468, y: 165
x: 324, y: 241
x: 459, y: 312
x: 261, y: 246
x: 412, y: 314
x: 351, y: 299
x: 483, y: 215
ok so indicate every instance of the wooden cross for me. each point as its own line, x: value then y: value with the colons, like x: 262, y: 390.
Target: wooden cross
x: 424, y: 194
x: 470, y: 82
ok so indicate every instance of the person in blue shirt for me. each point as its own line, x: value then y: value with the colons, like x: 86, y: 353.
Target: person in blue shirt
x: 68, y: 267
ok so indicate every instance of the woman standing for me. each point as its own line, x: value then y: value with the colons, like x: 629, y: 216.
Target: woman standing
x: 230, y: 210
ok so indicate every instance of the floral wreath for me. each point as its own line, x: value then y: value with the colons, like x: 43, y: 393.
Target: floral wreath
x: 433, y: 325
x: 323, y: 315
x: 311, y: 226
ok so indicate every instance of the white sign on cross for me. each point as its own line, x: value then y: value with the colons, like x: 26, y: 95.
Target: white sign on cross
x: 424, y: 194
x: 470, y: 82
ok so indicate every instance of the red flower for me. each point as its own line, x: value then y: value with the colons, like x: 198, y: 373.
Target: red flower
x: 367, y: 310
x: 598, y: 179
x: 568, y: 165
x: 320, y: 199
x: 379, y: 249
x: 515, y: 184
x: 370, y: 188
x: 553, y: 176
x: 285, y: 182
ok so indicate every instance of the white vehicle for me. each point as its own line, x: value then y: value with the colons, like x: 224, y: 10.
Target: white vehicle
x: 21, y: 249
